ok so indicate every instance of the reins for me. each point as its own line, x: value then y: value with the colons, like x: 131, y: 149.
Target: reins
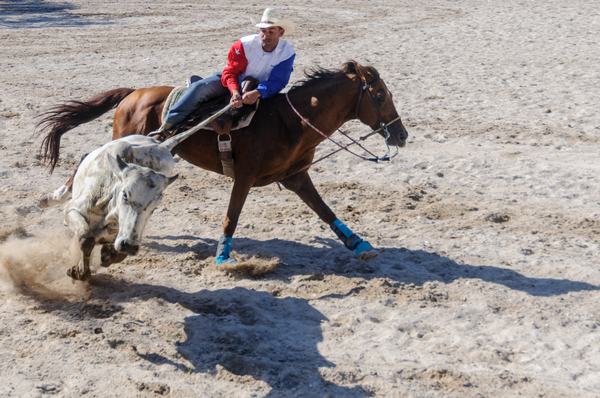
x: 374, y: 158
x: 383, y: 126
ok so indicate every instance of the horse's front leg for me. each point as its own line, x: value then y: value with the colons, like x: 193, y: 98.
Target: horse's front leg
x: 239, y: 193
x: 303, y: 186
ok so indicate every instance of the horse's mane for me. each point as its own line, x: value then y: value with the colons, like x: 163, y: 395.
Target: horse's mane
x: 317, y: 75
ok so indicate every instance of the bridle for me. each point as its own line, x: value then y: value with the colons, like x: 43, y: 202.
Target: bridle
x: 364, y: 86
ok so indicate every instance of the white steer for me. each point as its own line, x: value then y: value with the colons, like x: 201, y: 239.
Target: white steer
x: 113, y: 199
x: 114, y: 191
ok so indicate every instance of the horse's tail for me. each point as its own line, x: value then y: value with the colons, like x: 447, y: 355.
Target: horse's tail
x: 63, y: 117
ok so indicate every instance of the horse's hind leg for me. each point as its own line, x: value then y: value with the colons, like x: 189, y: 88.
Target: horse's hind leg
x: 302, y: 185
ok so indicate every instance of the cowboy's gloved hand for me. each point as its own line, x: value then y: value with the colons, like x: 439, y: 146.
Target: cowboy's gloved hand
x: 251, y: 97
x: 236, y: 100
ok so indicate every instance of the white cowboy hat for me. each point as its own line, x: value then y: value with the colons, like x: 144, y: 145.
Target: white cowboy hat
x: 272, y: 18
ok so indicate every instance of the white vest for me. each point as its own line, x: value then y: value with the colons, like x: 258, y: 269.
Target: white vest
x: 260, y: 62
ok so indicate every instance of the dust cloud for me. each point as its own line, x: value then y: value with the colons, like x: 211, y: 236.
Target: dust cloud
x: 35, y: 264
x: 252, y: 266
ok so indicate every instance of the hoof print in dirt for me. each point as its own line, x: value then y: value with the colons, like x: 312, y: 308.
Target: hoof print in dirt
x: 498, y: 218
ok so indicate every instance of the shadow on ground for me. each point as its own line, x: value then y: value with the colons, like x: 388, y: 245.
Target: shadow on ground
x: 243, y: 331
x: 275, y: 339
x: 328, y: 256
x: 42, y: 14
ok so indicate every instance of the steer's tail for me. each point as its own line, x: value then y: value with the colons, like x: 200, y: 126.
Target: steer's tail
x: 63, y: 117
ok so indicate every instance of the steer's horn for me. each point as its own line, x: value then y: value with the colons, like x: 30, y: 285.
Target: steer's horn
x: 172, y: 142
x: 121, y: 163
x: 116, y: 162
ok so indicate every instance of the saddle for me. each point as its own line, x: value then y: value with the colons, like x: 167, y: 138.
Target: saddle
x: 234, y: 119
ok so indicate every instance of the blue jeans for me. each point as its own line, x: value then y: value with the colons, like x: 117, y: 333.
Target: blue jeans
x: 199, y: 92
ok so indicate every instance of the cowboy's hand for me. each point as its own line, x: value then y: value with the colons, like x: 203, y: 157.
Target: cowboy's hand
x: 251, y: 97
x: 236, y: 100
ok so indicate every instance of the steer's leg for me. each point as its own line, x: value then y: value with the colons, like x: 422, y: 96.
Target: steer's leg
x: 302, y: 185
x: 61, y: 194
x: 80, y: 227
x: 239, y: 193
x: 81, y: 271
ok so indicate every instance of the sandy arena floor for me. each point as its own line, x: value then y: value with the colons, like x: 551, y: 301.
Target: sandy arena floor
x: 487, y: 283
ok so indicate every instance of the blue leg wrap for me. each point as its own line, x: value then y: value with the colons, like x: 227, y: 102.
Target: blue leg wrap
x: 223, y: 250
x: 350, y: 239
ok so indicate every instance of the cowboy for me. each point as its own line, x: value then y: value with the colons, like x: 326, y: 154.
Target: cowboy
x: 265, y: 56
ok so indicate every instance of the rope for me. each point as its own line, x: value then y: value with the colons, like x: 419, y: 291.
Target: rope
x: 173, y: 97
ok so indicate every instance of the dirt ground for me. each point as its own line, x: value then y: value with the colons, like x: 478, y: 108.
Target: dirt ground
x: 487, y: 280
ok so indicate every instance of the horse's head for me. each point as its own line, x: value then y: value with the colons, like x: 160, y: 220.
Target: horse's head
x: 375, y: 106
x: 139, y: 193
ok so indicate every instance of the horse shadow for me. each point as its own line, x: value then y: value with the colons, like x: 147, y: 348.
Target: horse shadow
x: 42, y: 14
x: 406, y: 266
x: 245, y: 332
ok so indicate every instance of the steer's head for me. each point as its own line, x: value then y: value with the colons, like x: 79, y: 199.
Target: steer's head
x: 138, y: 193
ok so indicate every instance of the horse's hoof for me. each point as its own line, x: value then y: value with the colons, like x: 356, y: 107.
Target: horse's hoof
x: 365, y: 251
x: 228, y: 261
x: 368, y: 255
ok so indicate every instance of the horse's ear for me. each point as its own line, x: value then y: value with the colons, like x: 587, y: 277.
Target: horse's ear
x: 369, y: 75
x: 349, y: 67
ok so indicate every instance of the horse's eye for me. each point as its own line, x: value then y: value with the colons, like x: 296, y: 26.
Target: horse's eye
x: 380, y: 97
x: 125, y: 197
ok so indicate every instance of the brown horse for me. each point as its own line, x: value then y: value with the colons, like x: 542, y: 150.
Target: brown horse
x: 278, y: 145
